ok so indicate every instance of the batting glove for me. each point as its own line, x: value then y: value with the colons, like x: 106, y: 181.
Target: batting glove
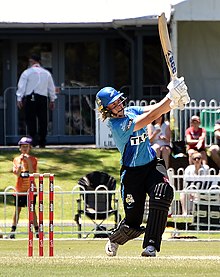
x: 177, y: 88
x: 180, y: 104
x: 177, y: 104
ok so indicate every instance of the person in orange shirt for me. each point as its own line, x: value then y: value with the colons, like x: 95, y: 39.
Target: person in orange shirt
x: 22, y: 166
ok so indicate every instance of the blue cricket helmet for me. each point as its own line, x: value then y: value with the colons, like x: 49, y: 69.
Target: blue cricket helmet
x: 107, y: 95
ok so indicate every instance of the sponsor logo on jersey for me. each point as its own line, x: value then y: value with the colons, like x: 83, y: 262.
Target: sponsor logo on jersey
x: 138, y: 139
x: 129, y: 124
x: 129, y: 199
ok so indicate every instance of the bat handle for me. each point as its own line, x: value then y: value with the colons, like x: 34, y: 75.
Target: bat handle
x: 174, y: 77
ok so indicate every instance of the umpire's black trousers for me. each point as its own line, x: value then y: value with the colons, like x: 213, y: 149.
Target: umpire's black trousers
x: 36, y: 115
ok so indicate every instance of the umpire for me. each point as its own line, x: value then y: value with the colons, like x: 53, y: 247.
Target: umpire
x: 34, y: 87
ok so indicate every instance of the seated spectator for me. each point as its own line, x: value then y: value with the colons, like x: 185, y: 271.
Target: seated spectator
x: 159, y: 135
x: 215, y: 149
x: 197, y: 168
x: 195, y: 139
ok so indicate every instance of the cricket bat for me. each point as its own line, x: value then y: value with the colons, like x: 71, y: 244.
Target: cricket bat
x: 166, y: 45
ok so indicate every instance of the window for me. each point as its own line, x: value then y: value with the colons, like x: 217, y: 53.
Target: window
x: 82, y: 64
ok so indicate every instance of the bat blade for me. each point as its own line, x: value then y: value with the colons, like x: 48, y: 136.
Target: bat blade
x: 166, y: 45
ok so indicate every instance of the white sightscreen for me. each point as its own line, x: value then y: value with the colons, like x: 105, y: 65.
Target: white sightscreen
x: 199, y: 58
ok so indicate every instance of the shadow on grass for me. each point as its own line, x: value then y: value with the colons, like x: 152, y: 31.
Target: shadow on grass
x: 74, y: 157
x: 67, y: 164
x: 9, y: 200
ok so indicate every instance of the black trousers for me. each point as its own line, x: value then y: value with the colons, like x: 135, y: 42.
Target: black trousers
x: 36, y: 115
x: 136, y: 182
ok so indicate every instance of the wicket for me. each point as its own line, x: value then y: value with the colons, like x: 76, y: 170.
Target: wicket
x: 41, y: 213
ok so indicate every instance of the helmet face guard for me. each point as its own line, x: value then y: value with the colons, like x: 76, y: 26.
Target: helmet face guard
x: 105, y: 97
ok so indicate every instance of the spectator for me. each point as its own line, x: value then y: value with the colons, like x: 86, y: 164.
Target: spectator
x: 22, y: 166
x: 159, y: 134
x: 34, y: 86
x: 197, y: 168
x: 215, y: 149
x: 195, y: 139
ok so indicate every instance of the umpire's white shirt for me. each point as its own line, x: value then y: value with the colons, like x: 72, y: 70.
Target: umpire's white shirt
x: 36, y: 79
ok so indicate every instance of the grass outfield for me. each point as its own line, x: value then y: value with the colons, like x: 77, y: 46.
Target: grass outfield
x: 87, y: 258
x: 68, y: 165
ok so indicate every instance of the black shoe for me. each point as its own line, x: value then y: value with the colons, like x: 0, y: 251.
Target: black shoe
x: 12, y: 236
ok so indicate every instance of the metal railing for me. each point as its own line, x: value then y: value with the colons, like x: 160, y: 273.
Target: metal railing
x: 73, y: 117
x: 201, y: 195
x: 208, y: 112
x: 203, y: 210
x: 66, y: 222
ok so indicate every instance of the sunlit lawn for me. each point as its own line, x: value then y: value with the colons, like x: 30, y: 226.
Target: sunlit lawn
x: 87, y: 258
x: 68, y: 165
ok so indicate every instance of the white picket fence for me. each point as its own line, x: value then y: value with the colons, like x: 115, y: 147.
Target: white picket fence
x: 202, y: 199
x: 208, y: 112
x: 203, y: 212
x: 67, y: 206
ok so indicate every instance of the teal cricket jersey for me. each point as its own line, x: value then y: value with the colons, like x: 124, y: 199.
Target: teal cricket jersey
x: 134, y: 147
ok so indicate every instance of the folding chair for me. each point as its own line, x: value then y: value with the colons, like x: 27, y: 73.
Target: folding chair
x: 206, y: 214
x: 97, y: 202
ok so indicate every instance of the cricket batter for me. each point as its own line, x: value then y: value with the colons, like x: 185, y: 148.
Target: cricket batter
x: 141, y: 172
